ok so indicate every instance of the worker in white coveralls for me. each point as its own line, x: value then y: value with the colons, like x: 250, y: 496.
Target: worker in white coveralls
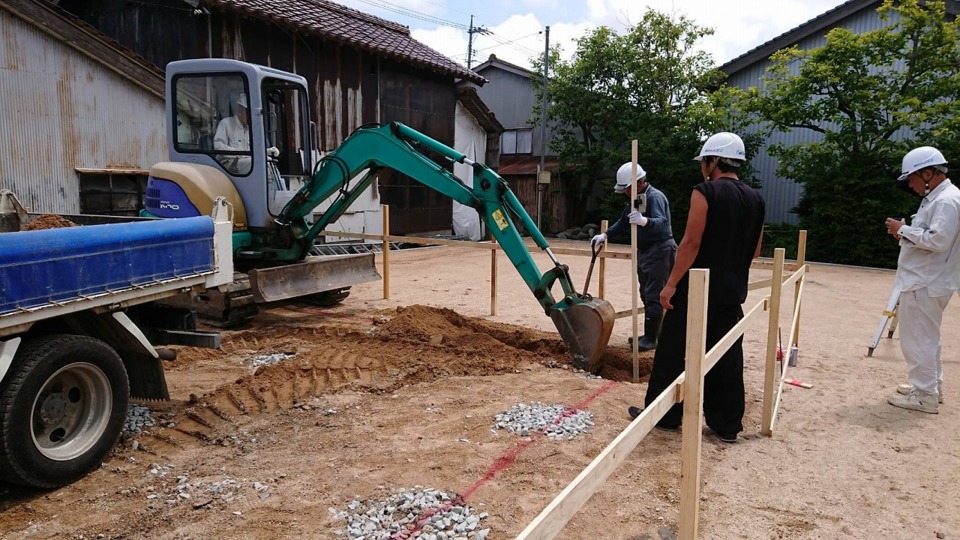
x: 233, y: 134
x: 649, y: 209
x: 928, y: 272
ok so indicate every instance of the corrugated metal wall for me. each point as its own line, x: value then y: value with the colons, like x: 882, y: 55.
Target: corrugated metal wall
x: 512, y: 100
x: 60, y: 110
x: 782, y: 194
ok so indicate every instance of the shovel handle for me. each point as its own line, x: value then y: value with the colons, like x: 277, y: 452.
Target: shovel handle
x: 593, y: 259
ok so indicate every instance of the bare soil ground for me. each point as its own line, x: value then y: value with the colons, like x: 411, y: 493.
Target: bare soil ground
x: 384, y: 395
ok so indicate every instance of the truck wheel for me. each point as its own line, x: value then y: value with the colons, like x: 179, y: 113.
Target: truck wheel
x: 62, y: 407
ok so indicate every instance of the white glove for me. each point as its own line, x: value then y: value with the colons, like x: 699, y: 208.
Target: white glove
x: 273, y: 152
x: 637, y: 218
x: 598, y: 240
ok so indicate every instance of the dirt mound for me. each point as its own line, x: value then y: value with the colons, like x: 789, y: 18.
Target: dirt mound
x: 48, y: 221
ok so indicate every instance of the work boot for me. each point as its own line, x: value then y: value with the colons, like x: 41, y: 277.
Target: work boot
x: 906, y: 388
x: 651, y: 331
x: 916, y: 400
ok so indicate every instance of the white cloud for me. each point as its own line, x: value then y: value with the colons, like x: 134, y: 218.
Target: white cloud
x: 739, y: 25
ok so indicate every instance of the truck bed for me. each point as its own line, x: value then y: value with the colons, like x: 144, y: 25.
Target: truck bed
x: 58, y: 267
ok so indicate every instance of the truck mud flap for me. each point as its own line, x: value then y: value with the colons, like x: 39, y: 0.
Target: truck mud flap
x: 313, y: 275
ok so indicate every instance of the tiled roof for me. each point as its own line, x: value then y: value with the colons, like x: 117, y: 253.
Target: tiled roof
x: 335, y: 22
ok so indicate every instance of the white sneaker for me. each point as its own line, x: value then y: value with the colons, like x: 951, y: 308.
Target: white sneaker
x: 916, y: 401
x: 906, y: 388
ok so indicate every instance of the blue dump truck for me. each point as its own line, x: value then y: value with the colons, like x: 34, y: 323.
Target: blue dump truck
x: 79, y: 325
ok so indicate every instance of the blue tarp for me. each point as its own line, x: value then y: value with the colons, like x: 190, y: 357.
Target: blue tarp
x: 37, y: 267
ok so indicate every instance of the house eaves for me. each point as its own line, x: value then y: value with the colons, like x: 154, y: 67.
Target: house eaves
x: 89, y: 41
x: 495, y: 62
x: 791, y: 37
x: 468, y: 97
x: 334, y: 22
x: 809, y: 28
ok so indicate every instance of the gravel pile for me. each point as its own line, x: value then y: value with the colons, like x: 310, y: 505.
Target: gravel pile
x: 179, y: 488
x: 424, y: 513
x: 139, y: 417
x: 268, y: 359
x: 555, y: 421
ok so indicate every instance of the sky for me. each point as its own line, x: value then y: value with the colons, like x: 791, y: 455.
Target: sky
x: 517, y: 26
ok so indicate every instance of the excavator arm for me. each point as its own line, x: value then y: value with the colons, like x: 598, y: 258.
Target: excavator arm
x: 584, y: 324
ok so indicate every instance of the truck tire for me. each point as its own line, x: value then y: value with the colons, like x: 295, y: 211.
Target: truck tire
x: 62, y: 408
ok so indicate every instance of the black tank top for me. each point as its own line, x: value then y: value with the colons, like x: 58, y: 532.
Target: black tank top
x: 735, y: 213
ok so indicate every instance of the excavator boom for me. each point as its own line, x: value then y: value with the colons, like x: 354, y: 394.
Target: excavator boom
x: 584, y: 324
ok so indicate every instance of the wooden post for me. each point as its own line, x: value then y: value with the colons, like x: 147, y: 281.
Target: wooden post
x: 770, y: 376
x: 692, y: 436
x: 602, y: 287
x: 801, y: 260
x: 493, y: 279
x: 633, y: 264
x: 385, y: 208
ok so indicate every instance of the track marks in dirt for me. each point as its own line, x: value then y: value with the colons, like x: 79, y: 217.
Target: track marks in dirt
x: 418, y: 344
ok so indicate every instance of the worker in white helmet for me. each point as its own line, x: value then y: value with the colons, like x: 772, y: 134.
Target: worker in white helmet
x: 233, y: 135
x: 656, y: 248
x: 723, y: 234
x: 928, y: 272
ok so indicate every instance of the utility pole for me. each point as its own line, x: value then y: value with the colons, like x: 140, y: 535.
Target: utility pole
x: 543, y: 127
x: 473, y: 30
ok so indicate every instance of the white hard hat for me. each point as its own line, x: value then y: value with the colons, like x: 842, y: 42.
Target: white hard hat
x: 725, y: 145
x: 920, y: 158
x: 242, y: 100
x: 623, y: 176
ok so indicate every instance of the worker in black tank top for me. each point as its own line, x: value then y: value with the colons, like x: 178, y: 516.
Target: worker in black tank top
x: 723, y: 234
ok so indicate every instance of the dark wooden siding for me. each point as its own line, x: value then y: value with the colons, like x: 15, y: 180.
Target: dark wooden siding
x: 428, y: 104
x: 553, y: 212
x: 344, y: 82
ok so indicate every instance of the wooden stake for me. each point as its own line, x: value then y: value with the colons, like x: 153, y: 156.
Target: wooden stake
x: 493, y: 280
x: 771, y: 374
x: 633, y: 264
x: 602, y: 287
x: 801, y: 260
x: 692, y: 436
x: 385, y: 208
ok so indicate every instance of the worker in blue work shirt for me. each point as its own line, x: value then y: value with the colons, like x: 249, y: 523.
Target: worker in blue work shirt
x: 656, y: 248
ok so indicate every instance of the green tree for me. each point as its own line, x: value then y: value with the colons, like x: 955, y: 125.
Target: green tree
x: 869, y: 97
x: 649, y: 84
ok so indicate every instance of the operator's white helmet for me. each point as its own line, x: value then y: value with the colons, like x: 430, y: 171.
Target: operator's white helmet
x: 725, y: 145
x: 920, y: 158
x: 623, y: 176
x: 242, y: 100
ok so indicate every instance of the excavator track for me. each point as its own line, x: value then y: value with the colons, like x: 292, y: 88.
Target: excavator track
x: 227, y: 306
x: 233, y: 305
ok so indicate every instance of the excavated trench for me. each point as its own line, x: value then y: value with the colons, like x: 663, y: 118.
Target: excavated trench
x: 413, y: 345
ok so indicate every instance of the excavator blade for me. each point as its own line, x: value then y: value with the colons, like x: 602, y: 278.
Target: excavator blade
x: 313, y: 275
x: 586, y: 328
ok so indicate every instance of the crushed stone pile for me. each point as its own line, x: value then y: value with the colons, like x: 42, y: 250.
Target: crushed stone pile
x: 139, y: 418
x: 425, y: 513
x: 557, y: 422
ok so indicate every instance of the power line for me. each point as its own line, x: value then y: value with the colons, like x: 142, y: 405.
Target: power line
x: 512, y: 43
x: 382, y: 4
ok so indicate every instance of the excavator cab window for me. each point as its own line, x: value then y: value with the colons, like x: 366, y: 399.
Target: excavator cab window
x: 213, y: 118
x: 286, y: 125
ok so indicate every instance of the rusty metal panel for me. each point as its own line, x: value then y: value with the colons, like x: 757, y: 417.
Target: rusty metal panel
x: 62, y: 110
x: 553, y: 211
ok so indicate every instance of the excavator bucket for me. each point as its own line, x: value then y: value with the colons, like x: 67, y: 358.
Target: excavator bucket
x: 585, y: 328
x: 313, y: 275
